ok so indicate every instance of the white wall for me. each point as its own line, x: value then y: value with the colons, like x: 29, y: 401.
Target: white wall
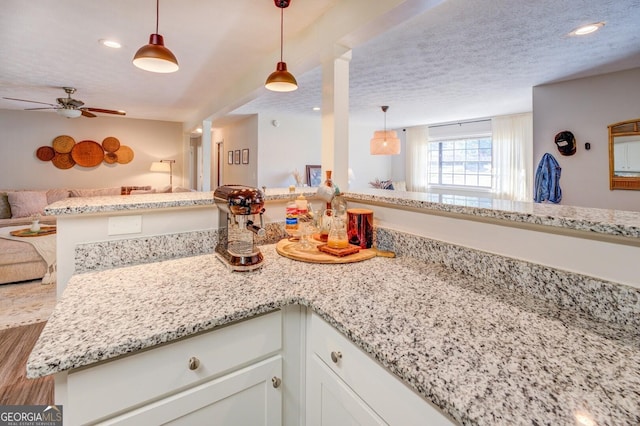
x: 292, y: 145
x: 366, y: 167
x: 586, y: 107
x: 23, y: 132
x: 239, y: 135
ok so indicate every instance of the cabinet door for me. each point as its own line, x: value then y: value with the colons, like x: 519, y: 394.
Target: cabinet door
x: 331, y: 402
x: 244, y: 397
x: 633, y: 156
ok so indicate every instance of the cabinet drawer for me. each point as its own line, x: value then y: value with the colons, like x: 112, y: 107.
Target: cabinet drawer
x: 133, y: 380
x: 387, y: 395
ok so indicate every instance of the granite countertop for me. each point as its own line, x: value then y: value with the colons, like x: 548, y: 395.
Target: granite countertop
x: 598, y: 222
x: 480, y: 353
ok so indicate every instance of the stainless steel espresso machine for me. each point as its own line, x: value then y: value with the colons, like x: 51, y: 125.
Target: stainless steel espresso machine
x: 238, y: 206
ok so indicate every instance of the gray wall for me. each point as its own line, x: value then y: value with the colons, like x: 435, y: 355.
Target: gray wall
x: 586, y: 107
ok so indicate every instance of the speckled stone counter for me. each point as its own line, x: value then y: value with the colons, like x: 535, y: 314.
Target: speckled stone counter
x: 596, y: 221
x: 481, y: 353
x: 116, y: 203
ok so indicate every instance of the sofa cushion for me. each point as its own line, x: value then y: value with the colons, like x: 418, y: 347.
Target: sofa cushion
x: 142, y: 191
x: 5, y: 207
x: 26, y: 203
x: 126, y: 190
x: 54, y: 195
x: 95, y: 192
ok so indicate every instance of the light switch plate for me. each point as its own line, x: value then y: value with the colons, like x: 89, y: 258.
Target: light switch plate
x: 120, y: 225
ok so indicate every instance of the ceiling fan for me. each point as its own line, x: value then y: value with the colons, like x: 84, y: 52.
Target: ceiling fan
x: 69, y: 107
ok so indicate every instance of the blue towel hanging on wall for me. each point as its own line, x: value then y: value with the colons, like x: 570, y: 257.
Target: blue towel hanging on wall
x: 547, y: 185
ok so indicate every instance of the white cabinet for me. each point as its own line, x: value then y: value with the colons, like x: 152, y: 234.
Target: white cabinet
x: 331, y: 402
x: 346, y: 386
x: 626, y: 156
x: 210, y: 372
x: 244, y: 397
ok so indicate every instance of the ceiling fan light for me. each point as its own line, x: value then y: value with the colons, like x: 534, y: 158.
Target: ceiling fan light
x: 69, y: 113
x: 154, y: 57
x: 281, y: 80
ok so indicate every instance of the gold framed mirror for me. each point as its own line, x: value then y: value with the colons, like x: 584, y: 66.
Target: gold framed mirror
x: 624, y: 155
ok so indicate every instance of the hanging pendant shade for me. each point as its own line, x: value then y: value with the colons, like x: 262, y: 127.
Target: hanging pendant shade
x: 155, y: 57
x: 281, y: 80
x: 384, y: 142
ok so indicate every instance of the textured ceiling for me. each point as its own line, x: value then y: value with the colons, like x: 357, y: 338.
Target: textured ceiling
x: 461, y: 59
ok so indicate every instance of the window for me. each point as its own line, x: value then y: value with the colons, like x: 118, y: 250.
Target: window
x: 461, y: 162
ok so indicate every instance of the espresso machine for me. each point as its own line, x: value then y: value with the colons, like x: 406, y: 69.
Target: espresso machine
x: 238, y: 205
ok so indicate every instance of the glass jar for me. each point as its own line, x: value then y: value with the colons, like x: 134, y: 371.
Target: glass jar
x: 337, y: 237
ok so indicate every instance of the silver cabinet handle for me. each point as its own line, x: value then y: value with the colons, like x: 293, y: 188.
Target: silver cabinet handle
x: 336, y: 356
x: 194, y: 363
x: 276, y: 381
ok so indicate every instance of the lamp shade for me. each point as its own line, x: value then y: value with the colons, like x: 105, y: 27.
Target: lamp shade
x: 155, y: 57
x: 159, y: 166
x: 281, y: 80
x: 385, y: 142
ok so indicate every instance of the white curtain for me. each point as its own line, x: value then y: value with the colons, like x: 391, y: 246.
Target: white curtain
x: 513, y: 156
x: 417, y: 164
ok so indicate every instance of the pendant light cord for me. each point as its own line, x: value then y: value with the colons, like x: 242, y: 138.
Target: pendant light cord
x: 281, y: 30
x: 157, y: 14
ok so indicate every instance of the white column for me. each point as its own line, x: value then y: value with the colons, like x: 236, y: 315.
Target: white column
x: 207, y: 158
x: 335, y: 116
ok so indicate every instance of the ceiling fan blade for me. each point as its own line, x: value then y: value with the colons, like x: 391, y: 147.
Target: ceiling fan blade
x: 88, y: 114
x: 35, y: 109
x: 33, y: 102
x: 105, y: 111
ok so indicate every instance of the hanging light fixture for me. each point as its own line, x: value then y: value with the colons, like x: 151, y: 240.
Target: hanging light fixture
x: 385, y: 142
x: 154, y: 56
x: 281, y: 80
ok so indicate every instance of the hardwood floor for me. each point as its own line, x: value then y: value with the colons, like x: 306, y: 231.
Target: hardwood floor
x: 15, y: 389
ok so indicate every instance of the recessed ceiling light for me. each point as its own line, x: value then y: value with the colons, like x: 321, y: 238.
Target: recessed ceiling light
x: 316, y: 108
x: 110, y: 43
x: 587, y: 29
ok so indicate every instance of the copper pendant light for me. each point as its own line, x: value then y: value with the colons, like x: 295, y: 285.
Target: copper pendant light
x: 385, y: 142
x: 154, y: 56
x: 281, y: 80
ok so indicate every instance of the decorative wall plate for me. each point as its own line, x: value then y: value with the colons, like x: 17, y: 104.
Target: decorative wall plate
x: 110, y: 157
x: 87, y: 153
x: 125, y: 154
x: 110, y: 144
x: 45, y: 153
x: 63, y: 161
x: 63, y: 144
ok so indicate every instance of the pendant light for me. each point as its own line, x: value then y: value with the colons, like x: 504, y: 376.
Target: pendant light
x: 385, y: 142
x: 281, y: 80
x: 154, y: 56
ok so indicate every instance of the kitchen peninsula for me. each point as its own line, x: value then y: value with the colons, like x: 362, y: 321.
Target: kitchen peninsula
x: 484, y: 337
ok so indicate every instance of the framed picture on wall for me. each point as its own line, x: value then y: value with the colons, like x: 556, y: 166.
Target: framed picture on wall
x: 314, y: 175
x: 236, y: 156
x: 230, y: 157
x: 245, y: 156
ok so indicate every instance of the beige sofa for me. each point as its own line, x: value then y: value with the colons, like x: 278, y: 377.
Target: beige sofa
x: 19, y: 261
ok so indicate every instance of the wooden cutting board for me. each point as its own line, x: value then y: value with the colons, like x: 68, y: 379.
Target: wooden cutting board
x: 292, y: 250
